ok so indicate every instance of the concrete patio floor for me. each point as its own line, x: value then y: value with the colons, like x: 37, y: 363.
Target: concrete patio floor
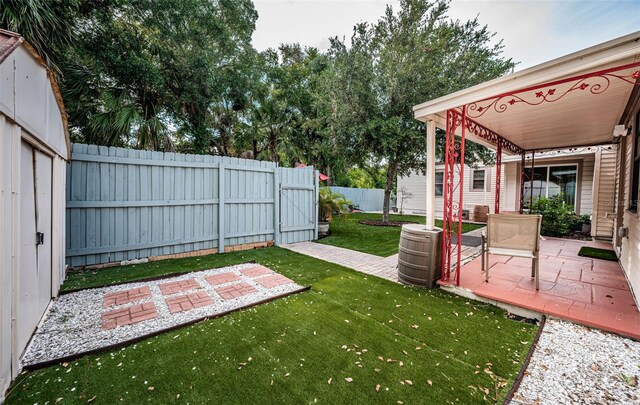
x: 588, y: 291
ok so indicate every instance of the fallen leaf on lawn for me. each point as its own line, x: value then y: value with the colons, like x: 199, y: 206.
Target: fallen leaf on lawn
x: 402, y: 382
x: 377, y: 370
x: 344, y: 347
x: 178, y: 396
x: 64, y: 365
x: 398, y: 305
x: 415, y: 326
x: 392, y: 361
x: 348, y: 379
x: 409, y: 382
x: 58, y: 400
x: 377, y: 387
x: 429, y: 318
x: 330, y: 379
x: 405, y: 352
x: 91, y: 399
x: 429, y: 382
x: 151, y: 388
x: 418, y: 347
x: 401, y: 364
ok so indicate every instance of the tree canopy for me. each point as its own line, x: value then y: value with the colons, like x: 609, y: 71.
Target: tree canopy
x: 183, y: 75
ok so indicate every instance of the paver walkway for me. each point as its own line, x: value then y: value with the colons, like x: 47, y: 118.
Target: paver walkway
x: 383, y: 267
x: 88, y: 320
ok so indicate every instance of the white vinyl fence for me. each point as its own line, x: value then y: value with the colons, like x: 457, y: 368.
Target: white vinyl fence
x: 125, y: 204
x: 366, y: 199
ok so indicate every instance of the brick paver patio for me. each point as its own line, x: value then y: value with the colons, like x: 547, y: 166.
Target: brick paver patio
x: 256, y: 271
x: 131, y: 314
x: 222, y: 278
x: 235, y: 290
x: 186, y: 302
x: 87, y: 320
x: 178, y: 286
x: 125, y: 297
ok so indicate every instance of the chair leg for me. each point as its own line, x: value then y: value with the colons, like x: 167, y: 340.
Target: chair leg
x: 533, y: 267
x: 486, y: 264
x: 537, y: 268
x: 483, y: 248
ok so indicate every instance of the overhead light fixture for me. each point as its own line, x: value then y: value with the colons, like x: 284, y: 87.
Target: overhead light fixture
x: 619, y: 130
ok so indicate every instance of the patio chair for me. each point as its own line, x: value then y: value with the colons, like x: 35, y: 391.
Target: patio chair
x: 513, y: 235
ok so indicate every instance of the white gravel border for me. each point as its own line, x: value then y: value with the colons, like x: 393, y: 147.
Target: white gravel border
x: 573, y: 364
x: 73, y: 322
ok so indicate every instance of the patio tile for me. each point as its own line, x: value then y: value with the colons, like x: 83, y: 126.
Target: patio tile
x: 573, y: 290
x: 126, y: 296
x: 606, y: 280
x: 222, y: 278
x: 273, y: 281
x: 129, y: 315
x: 529, y: 284
x: 558, y: 306
x: 256, y: 271
x: 188, y: 301
x: 178, y: 286
x: 612, y: 298
x: 574, y: 273
x: 235, y: 290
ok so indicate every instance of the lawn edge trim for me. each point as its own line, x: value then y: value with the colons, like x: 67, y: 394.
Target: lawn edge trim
x: 73, y: 357
x: 525, y: 364
x: 152, y: 278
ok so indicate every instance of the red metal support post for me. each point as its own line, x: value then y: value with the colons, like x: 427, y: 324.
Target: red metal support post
x: 461, y: 182
x: 444, y: 274
x: 498, y: 177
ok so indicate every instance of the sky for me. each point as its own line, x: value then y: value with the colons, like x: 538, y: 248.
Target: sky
x: 532, y: 32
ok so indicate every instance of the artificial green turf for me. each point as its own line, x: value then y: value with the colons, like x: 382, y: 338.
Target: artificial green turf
x: 349, y: 325
x: 595, y: 253
x: 376, y: 240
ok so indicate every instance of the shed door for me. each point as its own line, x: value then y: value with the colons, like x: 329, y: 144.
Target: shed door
x: 34, y: 277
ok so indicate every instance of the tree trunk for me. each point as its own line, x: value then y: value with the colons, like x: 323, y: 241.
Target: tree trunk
x: 391, y: 176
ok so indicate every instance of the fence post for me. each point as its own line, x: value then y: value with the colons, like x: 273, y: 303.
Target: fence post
x: 316, y: 193
x: 221, y: 208
x: 276, y: 206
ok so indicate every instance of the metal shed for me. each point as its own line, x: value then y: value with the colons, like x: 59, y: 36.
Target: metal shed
x: 34, y: 148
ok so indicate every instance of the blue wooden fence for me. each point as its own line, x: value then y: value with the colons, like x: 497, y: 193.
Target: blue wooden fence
x: 125, y: 204
x: 367, y: 199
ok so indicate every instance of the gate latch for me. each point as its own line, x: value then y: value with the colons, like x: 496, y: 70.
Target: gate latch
x: 39, y: 238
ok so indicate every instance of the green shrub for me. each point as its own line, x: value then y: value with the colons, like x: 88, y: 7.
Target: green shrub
x: 557, y: 216
x: 331, y: 204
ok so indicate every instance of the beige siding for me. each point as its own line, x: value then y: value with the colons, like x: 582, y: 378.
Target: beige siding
x: 586, y: 185
x: 604, y: 193
x: 416, y: 183
x: 630, y: 247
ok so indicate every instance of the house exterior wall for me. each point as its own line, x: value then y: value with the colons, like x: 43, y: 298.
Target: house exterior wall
x: 415, y: 183
x: 29, y: 115
x: 629, y: 247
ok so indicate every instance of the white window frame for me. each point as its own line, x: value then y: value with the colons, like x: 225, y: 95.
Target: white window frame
x: 436, y: 183
x: 546, y: 191
x: 484, y: 179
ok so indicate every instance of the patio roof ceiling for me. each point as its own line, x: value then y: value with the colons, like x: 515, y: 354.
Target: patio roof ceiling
x: 575, y: 100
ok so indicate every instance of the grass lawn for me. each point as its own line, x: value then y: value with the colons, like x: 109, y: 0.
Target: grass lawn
x: 419, y: 346
x: 376, y: 240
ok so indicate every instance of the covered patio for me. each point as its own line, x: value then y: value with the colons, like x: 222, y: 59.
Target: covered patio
x: 575, y: 101
x: 588, y: 291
